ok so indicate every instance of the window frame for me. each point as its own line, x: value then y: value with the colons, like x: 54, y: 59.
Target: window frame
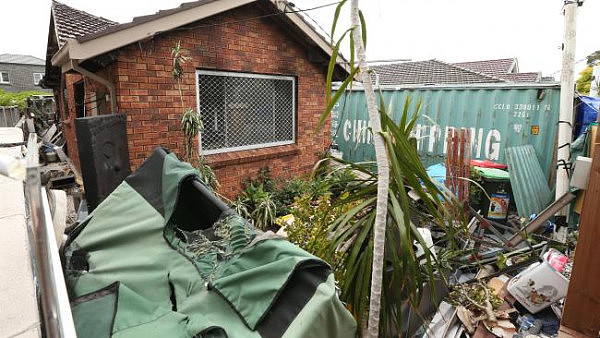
x: 255, y: 76
x: 41, y: 77
x: 7, y: 75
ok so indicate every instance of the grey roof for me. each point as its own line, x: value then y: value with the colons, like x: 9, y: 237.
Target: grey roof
x: 429, y: 72
x: 71, y: 23
x: 523, y: 77
x: 21, y: 59
x: 496, y: 67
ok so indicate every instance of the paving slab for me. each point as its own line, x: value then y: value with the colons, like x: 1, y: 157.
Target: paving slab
x: 19, y: 316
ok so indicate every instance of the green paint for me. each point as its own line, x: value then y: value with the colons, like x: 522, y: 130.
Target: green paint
x: 499, y: 116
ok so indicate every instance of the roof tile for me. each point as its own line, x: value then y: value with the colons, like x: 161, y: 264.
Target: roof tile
x: 497, y: 67
x: 71, y: 23
x: 429, y: 72
x: 523, y: 77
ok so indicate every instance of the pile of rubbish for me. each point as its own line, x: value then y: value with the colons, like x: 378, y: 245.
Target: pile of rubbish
x: 59, y: 175
x: 523, y: 299
x: 514, y: 279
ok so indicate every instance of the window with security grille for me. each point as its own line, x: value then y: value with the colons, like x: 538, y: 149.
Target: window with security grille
x: 245, y: 111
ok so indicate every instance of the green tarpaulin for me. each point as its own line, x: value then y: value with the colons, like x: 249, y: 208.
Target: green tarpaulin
x: 493, y: 173
x: 163, y: 257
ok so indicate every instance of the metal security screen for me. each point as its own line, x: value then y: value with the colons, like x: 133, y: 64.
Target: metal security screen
x: 245, y: 111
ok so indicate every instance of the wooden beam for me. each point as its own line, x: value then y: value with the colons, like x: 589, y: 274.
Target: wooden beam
x: 582, y: 305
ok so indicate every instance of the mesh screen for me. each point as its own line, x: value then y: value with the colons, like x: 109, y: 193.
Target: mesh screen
x: 242, y: 111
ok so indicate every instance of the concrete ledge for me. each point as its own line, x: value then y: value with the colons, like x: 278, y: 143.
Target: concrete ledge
x: 19, y: 316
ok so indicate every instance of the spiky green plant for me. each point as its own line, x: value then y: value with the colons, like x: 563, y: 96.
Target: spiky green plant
x: 207, y: 173
x: 405, y: 274
x: 240, y: 207
x: 191, y: 125
x: 257, y: 204
x: 265, y: 211
x: 191, y: 120
x: 179, y: 59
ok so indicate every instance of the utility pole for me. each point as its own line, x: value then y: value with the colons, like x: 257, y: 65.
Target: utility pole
x: 567, y: 87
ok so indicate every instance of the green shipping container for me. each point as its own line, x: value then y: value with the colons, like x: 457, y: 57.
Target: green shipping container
x: 498, y: 116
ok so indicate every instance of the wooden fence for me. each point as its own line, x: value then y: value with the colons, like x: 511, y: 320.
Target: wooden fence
x: 9, y: 116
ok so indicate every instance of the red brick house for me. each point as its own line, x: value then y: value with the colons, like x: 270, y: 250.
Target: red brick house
x: 257, y: 75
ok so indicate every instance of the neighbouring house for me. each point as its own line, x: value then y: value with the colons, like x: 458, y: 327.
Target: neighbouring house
x: 432, y: 72
x: 257, y: 75
x: 19, y: 73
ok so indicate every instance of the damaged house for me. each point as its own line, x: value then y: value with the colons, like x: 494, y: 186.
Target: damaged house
x: 257, y: 75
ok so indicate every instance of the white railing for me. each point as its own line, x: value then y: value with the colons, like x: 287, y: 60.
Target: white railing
x: 55, y: 307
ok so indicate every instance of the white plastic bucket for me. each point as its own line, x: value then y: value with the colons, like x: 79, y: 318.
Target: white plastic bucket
x: 538, y: 286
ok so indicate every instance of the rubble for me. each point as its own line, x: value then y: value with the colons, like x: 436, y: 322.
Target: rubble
x: 515, y: 272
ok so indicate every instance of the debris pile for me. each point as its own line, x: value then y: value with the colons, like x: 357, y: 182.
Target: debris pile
x: 58, y: 174
x: 514, y: 271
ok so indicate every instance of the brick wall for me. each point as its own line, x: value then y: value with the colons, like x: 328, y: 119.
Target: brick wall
x: 148, y: 95
x: 93, y: 100
x: 67, y: 108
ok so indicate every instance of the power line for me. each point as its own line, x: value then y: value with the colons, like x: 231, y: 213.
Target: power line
x: 323, y: 31
x: 382, y: 61
x: 560, y: 70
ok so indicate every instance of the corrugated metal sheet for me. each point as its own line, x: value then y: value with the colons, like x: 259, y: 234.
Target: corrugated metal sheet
x: 527, y: 181
x: 499, y: 116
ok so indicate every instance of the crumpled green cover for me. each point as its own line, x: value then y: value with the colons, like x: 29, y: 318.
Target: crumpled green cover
x: 222, y: 285
x: 493, y: 173
x: 120, y: 312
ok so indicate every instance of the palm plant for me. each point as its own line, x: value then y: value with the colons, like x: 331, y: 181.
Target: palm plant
x: 405, y: 274
x: 358, y: 41
x: 377, y: 234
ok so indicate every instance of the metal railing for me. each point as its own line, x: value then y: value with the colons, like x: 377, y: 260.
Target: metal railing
x: 56, y: 316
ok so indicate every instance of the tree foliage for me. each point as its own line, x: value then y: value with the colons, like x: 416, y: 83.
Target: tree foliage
x: 590, y: 59
x: 17, y: 99
x: 310, y: 228
x: 584, y: 81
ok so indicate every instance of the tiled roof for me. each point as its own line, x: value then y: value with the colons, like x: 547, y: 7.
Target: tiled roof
x: 497, y: 67
x: 71, y: 23
x: 21, y: 59
x: 144, y: 18
x: 523, y: 77
x: 428, y: 72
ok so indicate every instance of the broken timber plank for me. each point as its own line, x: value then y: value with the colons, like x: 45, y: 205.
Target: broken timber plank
x: 63, y: 157
x: 541, y: 218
